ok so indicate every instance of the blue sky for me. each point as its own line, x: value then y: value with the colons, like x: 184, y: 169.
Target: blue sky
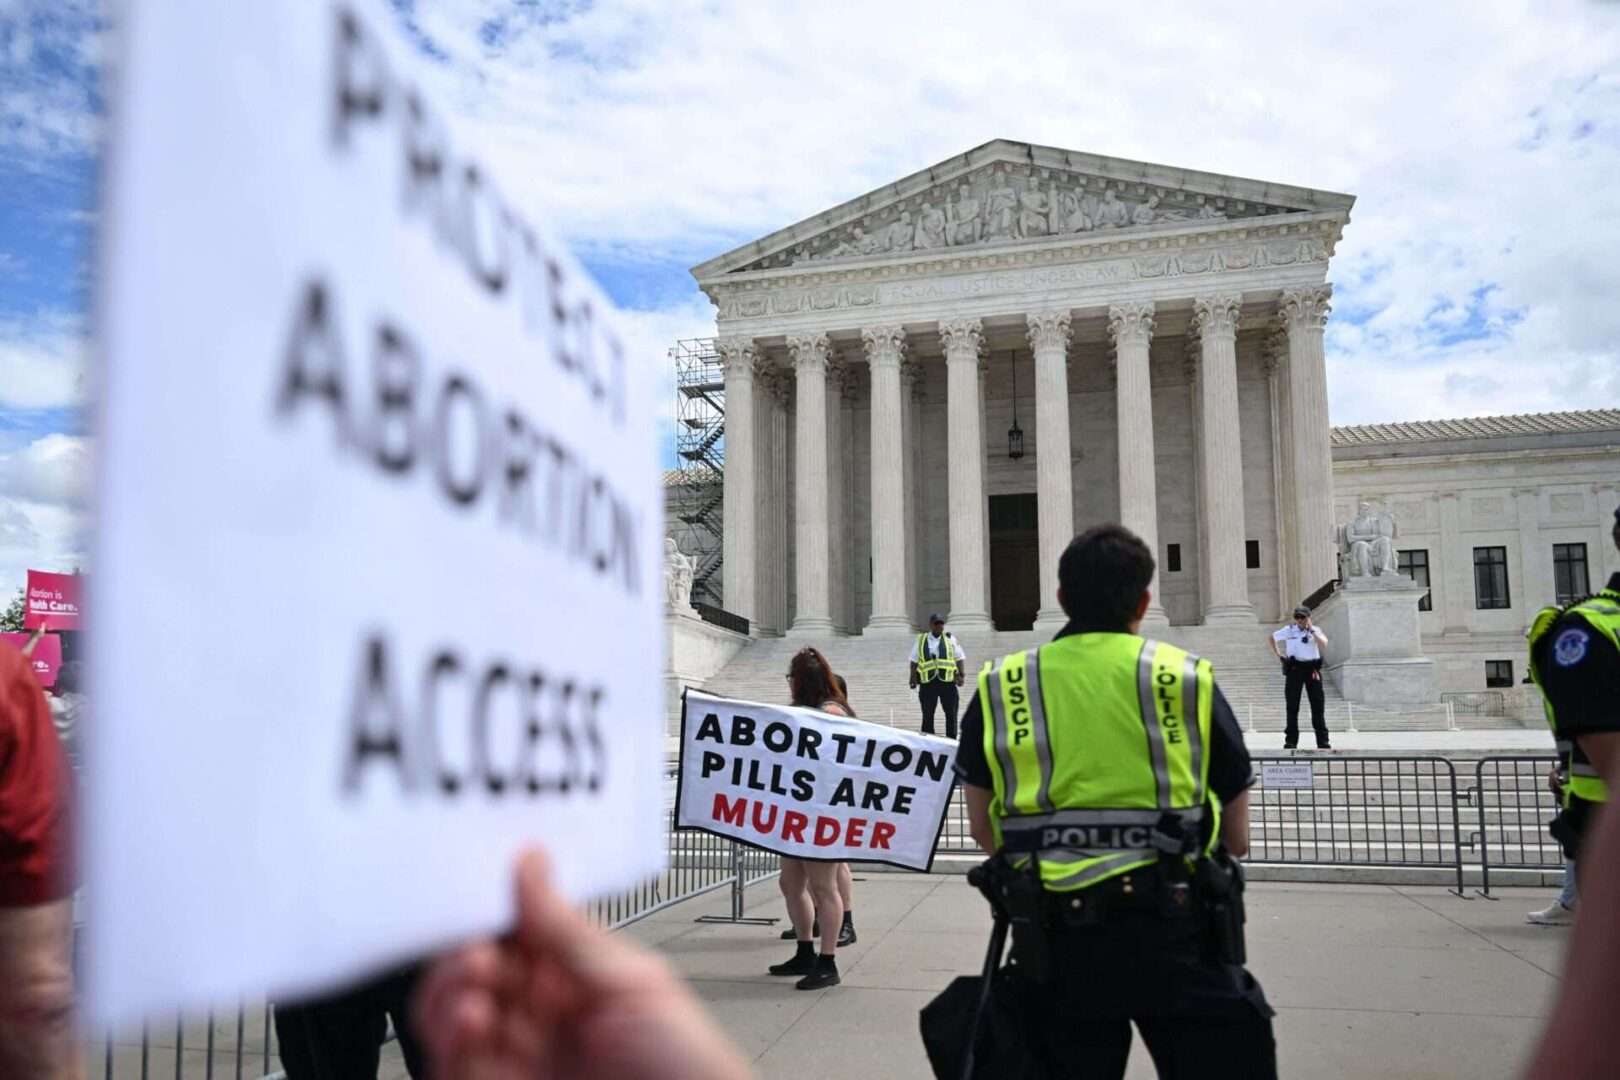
x: 1477, y: 276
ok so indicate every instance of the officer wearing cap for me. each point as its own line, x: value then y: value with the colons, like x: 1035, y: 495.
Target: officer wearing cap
x: 937, y: 667
x: 1106, y: 775
x: 1299, y: 647
x: 1575, y: 660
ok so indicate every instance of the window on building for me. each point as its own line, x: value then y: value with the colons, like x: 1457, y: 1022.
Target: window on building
x: 1172, y: 559
x: 1570, y: 582
x: 1491, y: 578
x: 1251, y: 553
x: 1499, y: 673
x: 1414, y: 563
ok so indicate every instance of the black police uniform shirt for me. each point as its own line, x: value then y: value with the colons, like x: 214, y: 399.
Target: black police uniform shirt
x: 1580, y: 674
x: 1231, y: 773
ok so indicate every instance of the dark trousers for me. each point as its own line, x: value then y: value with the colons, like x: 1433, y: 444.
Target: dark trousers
x: 340, y: 1037
x: 938, y: 693
x: 1307, y: 674
x: 1200, y: 1019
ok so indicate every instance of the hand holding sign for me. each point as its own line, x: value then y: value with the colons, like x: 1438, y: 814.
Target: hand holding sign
x: 561, y: 998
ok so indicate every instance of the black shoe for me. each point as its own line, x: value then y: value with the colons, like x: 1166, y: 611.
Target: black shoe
x: 1323, y: 746
x: 846, y: 935
x: 803, y: 962
x: 824, y: 975
x: 789, y: 934
x: 1290, y: 746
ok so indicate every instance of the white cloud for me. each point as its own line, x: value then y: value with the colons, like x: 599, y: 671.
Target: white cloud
x: 42, y: 362
x: 53, y: 471
x: 50, y: 51
x: 44, y: 523
x: 1481, y: 139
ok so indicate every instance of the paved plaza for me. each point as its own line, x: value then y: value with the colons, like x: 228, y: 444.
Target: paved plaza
x: 1367, y: 980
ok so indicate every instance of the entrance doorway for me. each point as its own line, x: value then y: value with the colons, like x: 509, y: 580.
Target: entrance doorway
x: 1015, y: 561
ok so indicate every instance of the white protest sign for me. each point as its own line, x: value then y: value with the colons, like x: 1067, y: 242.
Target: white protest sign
x: 377, y: 597
x: 811, y: 785
x: 1300, y: 777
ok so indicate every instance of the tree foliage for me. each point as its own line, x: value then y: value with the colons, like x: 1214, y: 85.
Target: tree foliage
x: 12, y: 617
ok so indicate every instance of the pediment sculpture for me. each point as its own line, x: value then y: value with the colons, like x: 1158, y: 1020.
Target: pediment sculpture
x: 1005, y: 203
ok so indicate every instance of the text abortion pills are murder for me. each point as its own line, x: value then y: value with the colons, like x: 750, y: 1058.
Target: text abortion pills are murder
x: 377, y: 463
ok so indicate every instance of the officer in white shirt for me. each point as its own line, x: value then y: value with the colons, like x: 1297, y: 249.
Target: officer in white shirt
x: 1299, y: 647
x: 937, y: 665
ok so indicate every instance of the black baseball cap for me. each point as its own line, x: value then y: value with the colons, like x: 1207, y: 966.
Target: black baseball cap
x: 936, y: 617
x: 1302, y: 612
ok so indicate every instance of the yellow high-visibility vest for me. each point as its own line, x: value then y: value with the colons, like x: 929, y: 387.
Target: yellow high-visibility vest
x: 946, y: 665
x: 1602, y: 614
x: 1091, y: 741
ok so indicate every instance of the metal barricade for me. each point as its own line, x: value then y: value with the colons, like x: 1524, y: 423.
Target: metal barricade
x: 1514, y: 805
x: 1356, y: 810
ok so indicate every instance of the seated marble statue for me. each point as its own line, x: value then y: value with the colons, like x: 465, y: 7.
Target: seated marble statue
x: 1367, y: 544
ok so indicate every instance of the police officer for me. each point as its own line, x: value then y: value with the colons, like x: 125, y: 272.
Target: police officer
x: 937, y: 663
x: 1108, y: 772
x: 1575, y: 659
x: 1299, y: 647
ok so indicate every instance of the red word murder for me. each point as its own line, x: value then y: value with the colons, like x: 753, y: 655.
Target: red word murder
x: 768, y: 819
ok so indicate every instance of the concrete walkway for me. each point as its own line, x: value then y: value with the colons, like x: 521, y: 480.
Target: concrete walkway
x: 1369, y: 980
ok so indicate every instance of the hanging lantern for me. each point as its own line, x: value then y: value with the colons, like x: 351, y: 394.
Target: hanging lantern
x: 1015, y: 434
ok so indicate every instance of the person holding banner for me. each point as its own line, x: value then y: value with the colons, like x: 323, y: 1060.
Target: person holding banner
x: 1107, y: 778
x: 846, y: 880
x: 811, y: 888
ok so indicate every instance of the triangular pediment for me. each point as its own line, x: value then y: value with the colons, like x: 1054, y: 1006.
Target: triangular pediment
x: 1009, y: 193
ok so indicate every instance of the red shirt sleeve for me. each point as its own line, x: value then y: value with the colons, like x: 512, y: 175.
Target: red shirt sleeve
x: 35, y: 823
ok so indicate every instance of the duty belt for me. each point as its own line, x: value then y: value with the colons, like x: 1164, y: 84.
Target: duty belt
x: 1103, y: 832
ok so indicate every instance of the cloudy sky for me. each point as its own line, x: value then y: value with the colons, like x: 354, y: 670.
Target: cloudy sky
x: 1480, y: 273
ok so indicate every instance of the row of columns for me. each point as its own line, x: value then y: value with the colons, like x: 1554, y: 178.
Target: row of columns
x: 1306, y: 466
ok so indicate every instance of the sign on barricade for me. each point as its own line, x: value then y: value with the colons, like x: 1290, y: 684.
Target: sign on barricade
x: 377, y: 571
x: 810, y: 785
x: 1298, y: 776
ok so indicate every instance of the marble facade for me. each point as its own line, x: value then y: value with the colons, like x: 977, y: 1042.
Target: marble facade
x: 1163, y: 327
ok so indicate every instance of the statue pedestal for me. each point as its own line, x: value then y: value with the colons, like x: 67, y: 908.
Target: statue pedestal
x: 1375, y: 648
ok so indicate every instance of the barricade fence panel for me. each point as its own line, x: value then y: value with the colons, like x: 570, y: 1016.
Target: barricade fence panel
x: 1514, y: 804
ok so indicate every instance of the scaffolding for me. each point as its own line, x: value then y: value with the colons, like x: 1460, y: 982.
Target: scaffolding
x: 695, y: 489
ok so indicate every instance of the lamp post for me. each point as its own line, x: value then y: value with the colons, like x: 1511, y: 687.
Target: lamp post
x: 1015, y: 434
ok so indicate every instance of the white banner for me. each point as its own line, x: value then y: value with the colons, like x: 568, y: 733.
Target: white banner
x: 377, y: 596
x: 807, y: 784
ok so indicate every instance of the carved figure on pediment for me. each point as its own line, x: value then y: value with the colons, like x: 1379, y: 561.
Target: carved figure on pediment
x: 858, y: 244
x: 1032, y: 211
x: 1207, y: 212
x: 1367, y: 544
x: 930, y: 227
x: 1000, y: 210
x: 1146, y: 213
x: 963, y: 218
x: 1071, y: 214
x: 897, y: 237
x: 1111, y: 213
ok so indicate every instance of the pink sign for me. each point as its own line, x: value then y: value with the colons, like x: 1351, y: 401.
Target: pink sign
x: 46, y: 657
x: 53, y: 601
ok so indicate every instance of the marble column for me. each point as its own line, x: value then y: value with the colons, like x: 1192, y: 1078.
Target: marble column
x: 963, y: 339
x: 811, y: 542
x: 1290, y: 588
x: 1221, y: 460
x: 891, y: 529
x: 837, y: 440
x: 984, y: 468
x: 739, y: 546
x: 781, y: 522
x: 1303, y: 314
x: 1456, y: 568
x: 1604, y: 560
x: 1130, y: 326
x: 911, y: 395
x: 1054, y: 480
x: 846, y: 504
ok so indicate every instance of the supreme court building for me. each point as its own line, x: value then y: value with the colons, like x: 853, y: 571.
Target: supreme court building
x: 930, y: 389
